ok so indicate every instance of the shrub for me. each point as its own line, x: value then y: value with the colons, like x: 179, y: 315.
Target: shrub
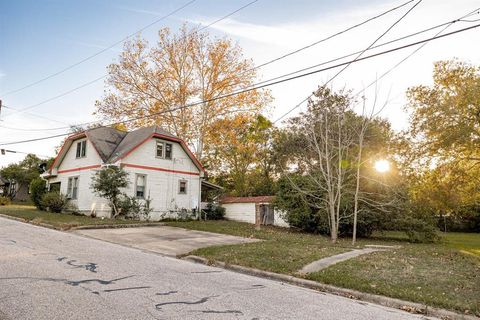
x: 469, y: 222
x: 4, y: 201
x: 54, y: 201
x: 107, y: 183
x: 37, y: 190
x: 214, y: 212
x: 133, y: 208
x: 418, y: 230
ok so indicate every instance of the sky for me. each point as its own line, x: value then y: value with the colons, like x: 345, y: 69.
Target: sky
x: 40, y: 38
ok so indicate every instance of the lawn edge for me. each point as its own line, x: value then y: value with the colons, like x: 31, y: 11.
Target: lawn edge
x: 84, y: 227
x: 408, y: 306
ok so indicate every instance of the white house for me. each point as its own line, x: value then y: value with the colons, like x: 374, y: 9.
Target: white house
x: 159, y: 164
x: 248, y: 209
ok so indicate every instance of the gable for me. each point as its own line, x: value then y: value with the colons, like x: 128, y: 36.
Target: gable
x: 145, y: 155
x: 112, y: 146
x: 66, y: 157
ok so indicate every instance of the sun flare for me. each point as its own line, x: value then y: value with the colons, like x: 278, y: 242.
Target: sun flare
x: 382, y: 166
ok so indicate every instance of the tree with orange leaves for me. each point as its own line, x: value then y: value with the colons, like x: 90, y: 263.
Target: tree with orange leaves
x: 151, y: 82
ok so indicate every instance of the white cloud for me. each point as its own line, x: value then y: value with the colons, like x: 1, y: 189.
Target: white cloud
x: 143, y: 11
x: 257, y: 40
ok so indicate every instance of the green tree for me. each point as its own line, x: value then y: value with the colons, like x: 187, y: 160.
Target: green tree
x: 37, y: 190
x: 442, y: 145
x: 22, y: 173
x: 241, y: 159
x: 318, y: 152
x: 107, y: 183
x: 445, y: 117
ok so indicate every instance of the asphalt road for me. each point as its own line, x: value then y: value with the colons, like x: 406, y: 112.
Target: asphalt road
x: 47, y: 274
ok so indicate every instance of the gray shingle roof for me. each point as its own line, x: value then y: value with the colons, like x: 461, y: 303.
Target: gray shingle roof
x: 112, y: 144
x: 134, y: 138
x: 105, y: 140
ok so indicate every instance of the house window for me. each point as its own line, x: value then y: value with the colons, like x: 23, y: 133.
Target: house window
x: 140, y: 183
x: 182, y: 187
x: 164, y: 150
x: 72, y: 188
x: 160, y: 148
x: 168, y: 151
x: 81, y: 149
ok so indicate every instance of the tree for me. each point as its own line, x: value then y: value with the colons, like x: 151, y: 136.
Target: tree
x: 443, y: 140
x: 327, y: 154
x: 21, y: 173
x: 181, y: 69
x: 319, y: 142
x: 445, y: 117
x: 241, y: 158
x: 37, y: 189
x: 107, y: 182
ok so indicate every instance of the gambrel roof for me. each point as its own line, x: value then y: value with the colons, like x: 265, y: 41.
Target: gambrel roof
x: 112, y: 145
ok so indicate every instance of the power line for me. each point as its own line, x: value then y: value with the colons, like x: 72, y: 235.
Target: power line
x: 329, y: 37
x: 265, y: 85
x: 104, y: 76
x: 449, y: 23
x: 374, y: 47
x: 476, y: 11
x: 35, y: 115
x: 255, y: 67
x: 4, y: 151
x: 357, y: 57
x: 99, y: 52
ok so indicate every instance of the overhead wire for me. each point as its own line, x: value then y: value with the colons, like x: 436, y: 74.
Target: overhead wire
x: 265, y: 85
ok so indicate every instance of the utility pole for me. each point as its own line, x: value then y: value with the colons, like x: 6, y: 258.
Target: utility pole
x: 0, y: 109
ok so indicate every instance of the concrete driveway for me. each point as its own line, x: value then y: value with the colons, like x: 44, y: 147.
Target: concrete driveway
x: 169, y: 241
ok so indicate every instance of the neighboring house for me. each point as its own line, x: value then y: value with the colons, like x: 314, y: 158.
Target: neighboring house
x: 247, y: 209
x: 160, y: 167
x: 4, y: 187
x: 14, y: 190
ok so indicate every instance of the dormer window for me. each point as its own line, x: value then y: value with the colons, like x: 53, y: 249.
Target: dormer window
x: 81, y: 149
x: 164, y: 150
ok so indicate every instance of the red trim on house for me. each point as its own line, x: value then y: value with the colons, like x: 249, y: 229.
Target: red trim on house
x: 185, y: 147
x: 71, y: 137
x: 159, y: 169
x: 80, y: 168
x: 182, y: 143
x: 136, y: 147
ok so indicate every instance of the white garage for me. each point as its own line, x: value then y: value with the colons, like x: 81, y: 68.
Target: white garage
x: 247, y: 209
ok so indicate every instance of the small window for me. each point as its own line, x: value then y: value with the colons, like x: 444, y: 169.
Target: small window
x: 182, y: 189
x: 72, y: 188
x: 160, y: 148
x: 140, y: 186
x: 168, y: 151
x: 81, y: 149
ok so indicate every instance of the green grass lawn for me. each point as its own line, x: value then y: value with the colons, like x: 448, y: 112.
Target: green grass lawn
x: 62, y: 221
x: 445, y: 274
x: 280, y: 251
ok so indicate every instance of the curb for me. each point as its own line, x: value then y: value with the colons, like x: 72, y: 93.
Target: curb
x: 411, y: 307
x: 93, y: 226
x: 118, y: 226
x: 41, y: 224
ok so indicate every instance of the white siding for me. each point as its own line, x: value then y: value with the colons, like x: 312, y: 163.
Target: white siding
x: 278, y: 219
x: 71, y: 162
x: 86, y: 201
x: 244, y: 212
x: 163, y: 187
